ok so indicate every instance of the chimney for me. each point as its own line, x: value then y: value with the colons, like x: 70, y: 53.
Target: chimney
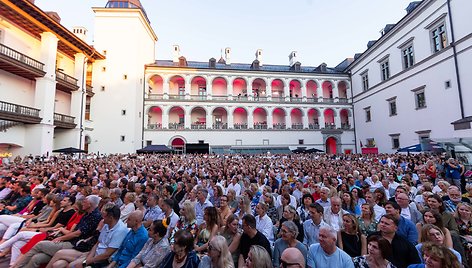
x: 292, y: 58
x: 212, y: 63
x: 259, y: 56
x: 80, y: 32
x: 175, y: 53
x: 228, y: 55
x: 54, y: 16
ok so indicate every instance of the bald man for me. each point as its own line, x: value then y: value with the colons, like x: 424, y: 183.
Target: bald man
x: 133, y: 242
x: 291, y: 257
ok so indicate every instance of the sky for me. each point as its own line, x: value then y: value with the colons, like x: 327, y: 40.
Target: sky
x: 319, y: 30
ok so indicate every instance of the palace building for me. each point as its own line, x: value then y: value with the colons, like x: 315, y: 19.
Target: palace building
x: 117, y: 96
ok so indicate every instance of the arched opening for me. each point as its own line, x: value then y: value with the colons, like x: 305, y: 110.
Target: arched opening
x: 260, y: 118
x: 198, y: 118
x: 342, y: 91
x: 219, y: 88
x: 327, y: 91
x: 277, y: 90
x: 344, y: 116
x: 177, y: 87
x: 295, y: 90
x: 331, y: 144
x: 297, y: 118
x: 155, y: 118
x: 313, y: 119
x: 311, y: 90
x: 240, y: 118
x: 278, y: 117
x: 258, y: 89
x: 240, y: 88
x: 329, y: 118
x: 178, y: 145
x: 176, y: 118
x: 220, y: 118
x: 198, y: 88
x: 156, y: 85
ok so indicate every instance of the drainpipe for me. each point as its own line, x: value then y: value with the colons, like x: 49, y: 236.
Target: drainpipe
x: 82, y: 103
x: 144, y: 95
x: 456, y: 65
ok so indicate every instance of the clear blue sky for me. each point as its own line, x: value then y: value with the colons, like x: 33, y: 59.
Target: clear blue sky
x: 320, y: 30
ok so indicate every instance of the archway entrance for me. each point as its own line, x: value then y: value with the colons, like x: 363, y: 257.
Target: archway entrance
x: 331, y: 144
x: 178, y: 145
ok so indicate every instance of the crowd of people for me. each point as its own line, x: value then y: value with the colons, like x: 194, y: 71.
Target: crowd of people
x: 220, y: 211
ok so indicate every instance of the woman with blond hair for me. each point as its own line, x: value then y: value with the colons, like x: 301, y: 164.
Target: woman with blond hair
x: 433, y: 234
x: 218, y: 255
x: 350, y: 238
x: 187, y: 220
x: 128, y: 206
x: 258, y: 257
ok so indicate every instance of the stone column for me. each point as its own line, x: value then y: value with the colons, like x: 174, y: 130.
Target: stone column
x: 250, y: 118
x: 229, y: 89
x: 230, y: 119
x: 270, y: 120
x: 209, y: 120
x: 165, y: 118
x: 321, y: 119
x: 188, y: 88
x: 209, y: 88
x: 288, y: 121
x: 187, y: 117
x: 337, y: 118
x: 303, y: 89
x: 305, y: 118
x: 319, y: 91
x: 335, y: 91
x: 286, y: 90
x: 77, y: 104
x: 165, y: 88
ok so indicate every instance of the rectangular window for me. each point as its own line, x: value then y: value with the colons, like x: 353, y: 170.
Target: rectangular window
x: 265, y: 142
x: 104, y: 69
x: 88, y: 100
x: 420, y: 100
x: 439, y: 37
x: 122, y: 138
x: 408, y: 57
x: 102, y: 88
x: 148, y: 143
x: 385, y: 70
x: 395, y: 141
x: 123, y: 112
x: 368, y: 115
x: 365, y: 81
x: 301, y: 142
x: 239, y: 142
x: 392, y: 104
x: 125, y: 76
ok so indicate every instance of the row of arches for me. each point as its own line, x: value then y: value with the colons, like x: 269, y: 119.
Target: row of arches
x: 220, y: 86
x: 177, y: 117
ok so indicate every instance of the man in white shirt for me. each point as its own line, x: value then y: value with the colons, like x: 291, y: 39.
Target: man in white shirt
x: 333, y: 215
x: 378, y: 210
x: 168, y: 212
x: 235, y: 186
x: 264, y: 223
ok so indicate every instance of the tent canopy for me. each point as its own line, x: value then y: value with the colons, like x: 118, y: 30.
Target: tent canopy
x: 69, y: 150
x: 150, y: 149
x: 417, y: 148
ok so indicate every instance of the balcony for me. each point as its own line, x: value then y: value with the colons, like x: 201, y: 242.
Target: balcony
x: 18, y: 113
x: 219, y: 97
x: 175, y: 97
x: 154, y: 126
x: 260, y: 125
x: 220, y: 126
x: 328, y: 100
x: 155, y: 96
x: 176, y: 126
x: 330, y: 126
x: 198, y: 126
x: 279, y: 126
x: 314, y: 126
x: 19, y: 64
x: 89, y: 89
x: 65, y: 82
x: 4, y: 125
x: 240, y: 126
x: 345, y: 126
x: 64, y: 121
x: 343, y: 100
x: 297, y: 126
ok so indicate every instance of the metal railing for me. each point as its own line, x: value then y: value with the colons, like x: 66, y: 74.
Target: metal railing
x: 176, y: 126
x: 18, y: 109
x: 65, y: 77
x: 329, y: 100
x: 330, y: 126
x: 312, y: 99
x: 297, y: 126
x: 177, y: 97
x: 220, y: 126
x: 154, y: 126
x: 198, y: 126
x: 279, y: 126
x: 314, y: 126
x: 198, y: 97
x: 345, y: 126
x: 155, y: 96
x: 219, y: 97
x: 11, y: 53
x: 260, y: 125
x: 64, y: 118
x: 343, y: 100
x: 240, y: 126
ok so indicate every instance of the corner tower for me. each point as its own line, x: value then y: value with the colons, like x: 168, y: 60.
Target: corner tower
x: 123, y: 33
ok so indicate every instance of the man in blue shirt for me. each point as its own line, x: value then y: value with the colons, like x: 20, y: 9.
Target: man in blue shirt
x: 326, y: 253
x: 406, y: 228
x: 133, y: 242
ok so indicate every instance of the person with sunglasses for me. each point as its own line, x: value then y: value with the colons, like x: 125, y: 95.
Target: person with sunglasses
x: 218, y: 256
x: 292, y: 257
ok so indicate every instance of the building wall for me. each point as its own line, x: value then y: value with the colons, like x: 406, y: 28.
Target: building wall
x: 431, y: 70
x: 120, y: 93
